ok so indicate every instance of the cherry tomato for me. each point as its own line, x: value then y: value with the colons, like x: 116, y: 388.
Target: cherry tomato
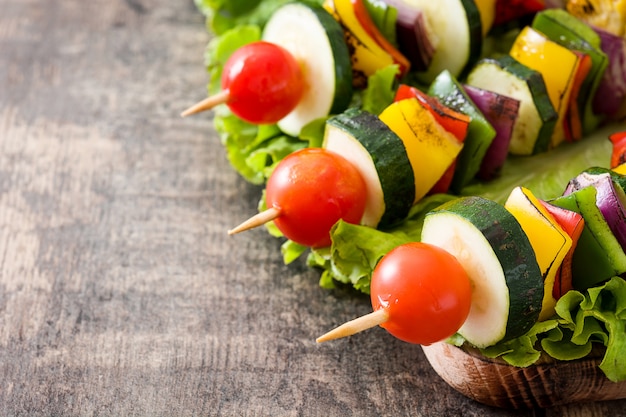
x: 425, y: 290
x: 264, y: 82
x: 313, y: 188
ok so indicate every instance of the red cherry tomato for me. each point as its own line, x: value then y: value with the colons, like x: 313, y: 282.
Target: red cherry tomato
x: 313, y: 188
x: 425, y: 290
x: 264, y: 82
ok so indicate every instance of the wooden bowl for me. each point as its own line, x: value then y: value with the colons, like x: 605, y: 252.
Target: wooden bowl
x: 545, y: 384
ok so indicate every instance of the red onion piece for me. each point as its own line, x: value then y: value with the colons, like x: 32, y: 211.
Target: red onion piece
x: 610, y: 199
x: 501, y: 111
x: 415, y: 39
x: 611, y: 93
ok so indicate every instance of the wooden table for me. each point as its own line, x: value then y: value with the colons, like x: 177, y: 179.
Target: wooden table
x: 120, y: 291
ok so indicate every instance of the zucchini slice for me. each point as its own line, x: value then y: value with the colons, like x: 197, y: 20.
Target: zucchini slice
x: 457, y: 25
x: 379, y: 154
x: 537, y: 117
x: 549, y: 241
x: 507, y: 286
x: 315, y: 39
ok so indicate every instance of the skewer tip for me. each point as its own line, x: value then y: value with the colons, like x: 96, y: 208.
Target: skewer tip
x: 373, y: 319
x: 258, y: 219
x: 206, y: 104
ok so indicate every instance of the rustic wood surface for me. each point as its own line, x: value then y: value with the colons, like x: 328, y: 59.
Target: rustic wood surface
x: 120, y: 291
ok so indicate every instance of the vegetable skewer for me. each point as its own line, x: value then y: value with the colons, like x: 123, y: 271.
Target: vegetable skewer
x: 503, y: 251
x: 207, y: 104
x: 261, y: 83
x: 352, y: 327
x: 307, y: 193
x: 257, y: 220
x: 346, y: 135
x: 420, y: 293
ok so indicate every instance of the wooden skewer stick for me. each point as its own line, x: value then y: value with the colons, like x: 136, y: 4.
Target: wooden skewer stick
x: 258, y: 219
x: 375, y: 318
x: 207, y: 104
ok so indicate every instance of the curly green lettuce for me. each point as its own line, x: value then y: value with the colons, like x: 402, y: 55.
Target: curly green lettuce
x: 597, y: 316
x: 252, y: 150
x: 223, y: 15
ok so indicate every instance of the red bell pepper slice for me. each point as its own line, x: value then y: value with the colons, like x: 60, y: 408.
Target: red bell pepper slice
x: 573, y: 224
x: 572, y: 123
x: 362, y: 15
x: 618, y: 155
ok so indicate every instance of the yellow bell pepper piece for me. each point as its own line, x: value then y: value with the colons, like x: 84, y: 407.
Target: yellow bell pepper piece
x: 548, y: 239
x: 487, y: 9
x: 431, y: 149
x: 367, y: 55
x: 620, y: 169
x: 558, y: 66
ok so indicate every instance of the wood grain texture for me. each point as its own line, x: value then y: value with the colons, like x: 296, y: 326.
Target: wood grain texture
x: 545, y: 384
x: 120, y: 291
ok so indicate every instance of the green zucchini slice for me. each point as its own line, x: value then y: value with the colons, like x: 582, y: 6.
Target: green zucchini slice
x: 315, y: 39
x: 507, y: 286
x: 537, y: 117
x: 379, y: 154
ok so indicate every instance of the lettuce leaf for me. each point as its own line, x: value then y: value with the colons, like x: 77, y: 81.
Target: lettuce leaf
x: 223, y: 15
x: 521, y: 351
x: 356, y: 250
x: 380, y: 90
x: 221, y: 48
x: 252, y: 150
x: 597, y: 316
